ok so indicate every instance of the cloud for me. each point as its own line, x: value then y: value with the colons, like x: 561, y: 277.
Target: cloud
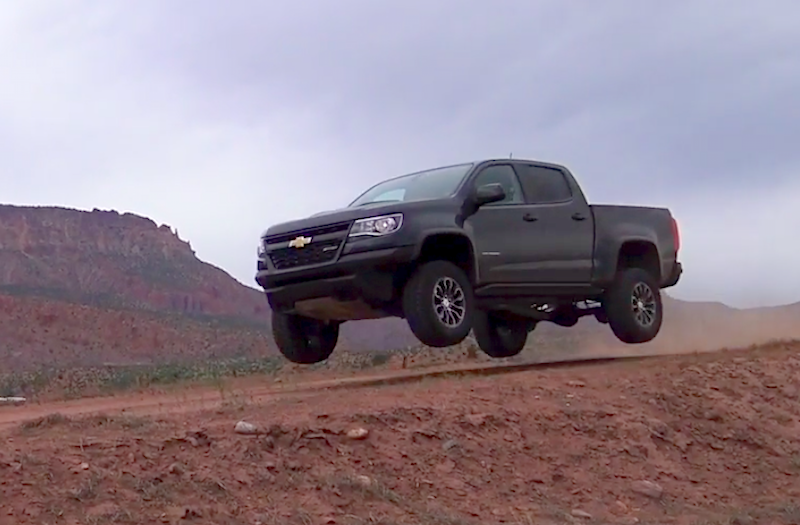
x: 210, y: 116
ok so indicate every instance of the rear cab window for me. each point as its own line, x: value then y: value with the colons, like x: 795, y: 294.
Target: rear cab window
x: 543, y: 185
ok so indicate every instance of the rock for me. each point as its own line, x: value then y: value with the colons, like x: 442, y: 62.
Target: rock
x: 242, y: 478
x: 243, y: 427
x: 789, y: 391
x: 358, y: 433
x: 446, y: 466
x: 181, y: 513
x: 578, y: 513
x: 449, y: 444
x: 682, y: 442
x: 476, y: 419
x: 648, y: 488
x: 96, y: 513
x: 425, y: 433
x: 84, y: 466
x: 268, y: 443
x: 189, y: 513
x: 198, y: 439
x: 364, y: 481
x: 578, y: 384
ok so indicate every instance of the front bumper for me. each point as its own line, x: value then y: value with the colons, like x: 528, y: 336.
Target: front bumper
x: 360, y: 275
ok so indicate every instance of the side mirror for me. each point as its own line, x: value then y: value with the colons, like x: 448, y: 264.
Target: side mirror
x: 489, y: 193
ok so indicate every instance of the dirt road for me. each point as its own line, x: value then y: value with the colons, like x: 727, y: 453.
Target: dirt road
x: 252, y: 390
x: 685, y: 439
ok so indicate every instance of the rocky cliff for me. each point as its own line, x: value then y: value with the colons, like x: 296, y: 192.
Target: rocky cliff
x: 104, y: 257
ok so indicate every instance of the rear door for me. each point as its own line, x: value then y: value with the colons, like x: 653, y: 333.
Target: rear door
x: 564, y: 230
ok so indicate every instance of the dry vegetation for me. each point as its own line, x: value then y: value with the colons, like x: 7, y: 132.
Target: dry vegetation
x: 73, y: 383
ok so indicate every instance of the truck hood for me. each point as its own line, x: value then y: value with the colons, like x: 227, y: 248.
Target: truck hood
x: 349, y: 214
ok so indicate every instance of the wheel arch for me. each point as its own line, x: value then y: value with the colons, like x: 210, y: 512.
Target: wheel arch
x: 454, y: 246
x: 640, y: 253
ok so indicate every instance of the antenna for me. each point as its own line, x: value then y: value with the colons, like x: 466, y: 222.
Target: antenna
x: 510, y: 155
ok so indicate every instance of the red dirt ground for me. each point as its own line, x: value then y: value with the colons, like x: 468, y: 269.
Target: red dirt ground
x: 711, y: 438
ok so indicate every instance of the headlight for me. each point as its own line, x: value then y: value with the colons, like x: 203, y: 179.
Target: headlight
x: 262, y: 249
x: 377, y: 226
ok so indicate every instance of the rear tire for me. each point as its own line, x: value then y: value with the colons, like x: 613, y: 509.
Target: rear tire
x: 304, y: 340
x: 633, y: 306
x: 499, y: 337
x: 438, y: 304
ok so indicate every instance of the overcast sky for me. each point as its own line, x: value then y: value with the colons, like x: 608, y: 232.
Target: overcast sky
x: 221, y: 118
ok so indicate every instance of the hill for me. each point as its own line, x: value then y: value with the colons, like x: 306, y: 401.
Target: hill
x: 82, y: 288
x: 108, y: 259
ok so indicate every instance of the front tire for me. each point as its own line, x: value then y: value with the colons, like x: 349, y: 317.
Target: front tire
x: 633, y: 306
x: 498, y: 336
x: 304, y: 340
x: 438, y: 304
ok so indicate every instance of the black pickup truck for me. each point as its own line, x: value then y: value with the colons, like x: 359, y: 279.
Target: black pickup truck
x: 494, y: 246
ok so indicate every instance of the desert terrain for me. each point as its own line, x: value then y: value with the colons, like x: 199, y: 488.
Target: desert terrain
x: 137, y: 362
x: 702, y: 438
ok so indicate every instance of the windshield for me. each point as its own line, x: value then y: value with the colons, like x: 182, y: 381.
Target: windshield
x: 437, y: 183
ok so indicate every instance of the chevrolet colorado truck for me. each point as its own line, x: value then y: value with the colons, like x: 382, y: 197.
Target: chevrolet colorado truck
x: 493, y: 247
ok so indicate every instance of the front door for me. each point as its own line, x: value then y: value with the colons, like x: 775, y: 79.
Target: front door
x: 505, y: 237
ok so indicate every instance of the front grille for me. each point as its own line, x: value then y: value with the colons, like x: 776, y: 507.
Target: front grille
x: 314, y: 253
x: 311, y: 232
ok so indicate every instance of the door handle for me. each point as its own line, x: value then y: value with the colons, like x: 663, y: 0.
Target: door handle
x: 578, y: 216
x: 529, y: 218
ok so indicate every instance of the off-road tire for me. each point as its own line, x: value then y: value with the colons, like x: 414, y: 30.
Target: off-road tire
x: 499, y: 337
x: 629, y: 322
x: 419, y: 304
x: 304, y: 340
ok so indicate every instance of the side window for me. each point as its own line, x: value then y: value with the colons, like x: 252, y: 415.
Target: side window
x: 504, y: 175
x: 544, y: 185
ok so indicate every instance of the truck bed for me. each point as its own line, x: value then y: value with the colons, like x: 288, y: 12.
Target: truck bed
x: 615, y: 224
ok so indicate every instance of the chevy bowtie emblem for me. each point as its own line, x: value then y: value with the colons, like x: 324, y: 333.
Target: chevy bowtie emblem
x: 299, y: 242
